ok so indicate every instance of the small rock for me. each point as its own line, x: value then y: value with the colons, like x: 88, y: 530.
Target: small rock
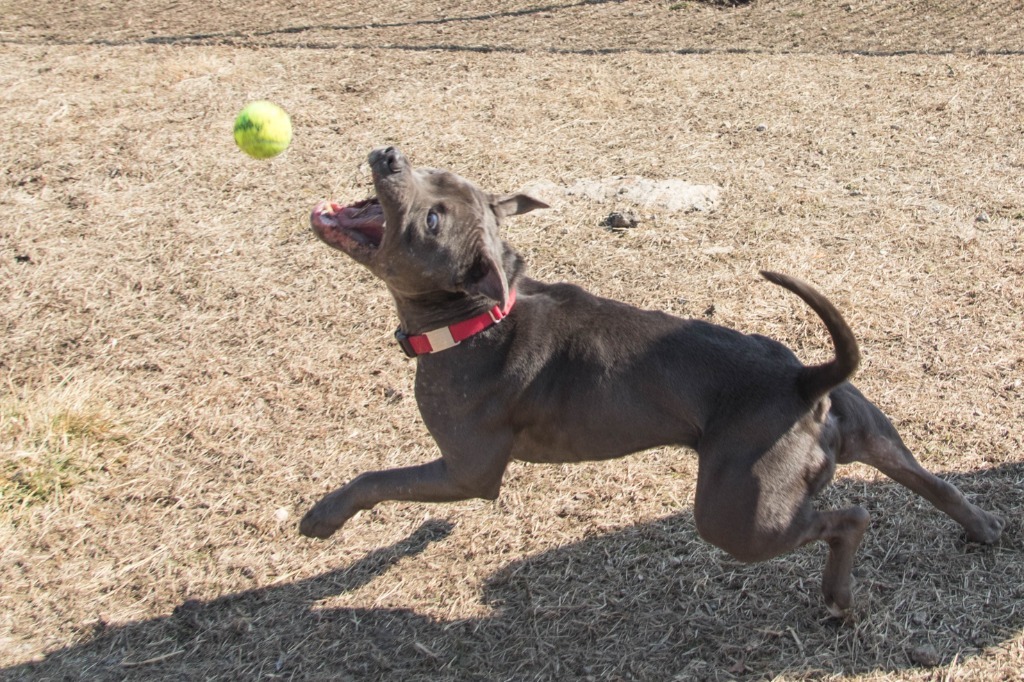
x: 925, y: 655
x: 761, y: 127
x: 983, y: 218
x: 281, y: 515
x: 621, y: 220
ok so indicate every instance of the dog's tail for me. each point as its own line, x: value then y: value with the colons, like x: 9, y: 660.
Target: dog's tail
x: 816, y: 381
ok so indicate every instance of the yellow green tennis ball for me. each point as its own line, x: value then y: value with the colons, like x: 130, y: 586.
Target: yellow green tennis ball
x: 263, y: 130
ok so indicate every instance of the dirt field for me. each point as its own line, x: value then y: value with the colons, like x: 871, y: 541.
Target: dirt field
x: 184, y: 368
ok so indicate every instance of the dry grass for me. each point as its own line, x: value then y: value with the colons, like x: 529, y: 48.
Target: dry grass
x: 58, y: 438
x: 219, y: 369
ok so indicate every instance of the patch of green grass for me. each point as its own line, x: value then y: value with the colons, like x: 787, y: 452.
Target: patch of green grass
x: 51, y: 441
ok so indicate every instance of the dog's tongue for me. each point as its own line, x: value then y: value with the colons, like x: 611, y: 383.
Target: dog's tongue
x: 360, y: 217
x: 365, y: 218
x: 365, y: 214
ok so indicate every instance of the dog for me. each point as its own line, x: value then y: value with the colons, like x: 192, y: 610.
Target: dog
x: 512, y: 368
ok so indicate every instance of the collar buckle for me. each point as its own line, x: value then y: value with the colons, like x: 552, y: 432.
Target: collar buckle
x: 441, y: 339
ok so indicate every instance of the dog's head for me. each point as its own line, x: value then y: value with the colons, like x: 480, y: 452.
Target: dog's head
x: 426, y: 231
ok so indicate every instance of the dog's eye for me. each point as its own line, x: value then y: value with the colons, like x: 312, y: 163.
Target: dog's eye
x: 433, y: 222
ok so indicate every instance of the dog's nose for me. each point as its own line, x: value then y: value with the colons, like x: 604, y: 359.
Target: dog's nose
x: 387, y: 160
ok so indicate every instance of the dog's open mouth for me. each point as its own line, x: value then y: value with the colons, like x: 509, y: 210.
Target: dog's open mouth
x: 356, y: 229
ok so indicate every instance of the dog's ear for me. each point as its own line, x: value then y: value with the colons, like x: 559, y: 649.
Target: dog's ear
x: 515, y: 204
x: 487, y: 278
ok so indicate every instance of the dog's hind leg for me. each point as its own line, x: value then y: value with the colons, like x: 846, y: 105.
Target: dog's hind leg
x: 870, y: 438
x: 758, y: 505
x: 843, y: 530
x: 748, y: 540
x: 893, y: 459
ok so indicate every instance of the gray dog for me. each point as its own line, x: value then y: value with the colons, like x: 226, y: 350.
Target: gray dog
x: 512, y: 368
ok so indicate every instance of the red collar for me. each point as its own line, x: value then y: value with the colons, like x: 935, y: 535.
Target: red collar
x: 446, y: 337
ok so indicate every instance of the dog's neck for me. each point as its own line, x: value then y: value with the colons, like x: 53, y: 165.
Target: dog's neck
x: 420, y: 313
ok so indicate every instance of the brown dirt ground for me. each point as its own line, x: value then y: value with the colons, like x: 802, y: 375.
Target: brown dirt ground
x: 183, y: 364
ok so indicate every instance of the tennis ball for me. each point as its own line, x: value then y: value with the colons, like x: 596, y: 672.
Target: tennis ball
x: 263, y: 130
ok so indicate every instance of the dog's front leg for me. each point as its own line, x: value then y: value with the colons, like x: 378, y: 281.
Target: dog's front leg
x: 432, y: 482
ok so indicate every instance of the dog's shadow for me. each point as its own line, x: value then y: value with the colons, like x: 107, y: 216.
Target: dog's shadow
x: 650, y: 601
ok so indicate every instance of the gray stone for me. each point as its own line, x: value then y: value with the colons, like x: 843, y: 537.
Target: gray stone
x: 672, y: 195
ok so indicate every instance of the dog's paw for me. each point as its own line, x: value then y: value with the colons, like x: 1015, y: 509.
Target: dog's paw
x: 313, y: 525
x: 838, y: 600
x: 986, y: 529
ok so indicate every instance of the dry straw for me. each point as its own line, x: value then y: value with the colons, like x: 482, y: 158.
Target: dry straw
x: 246, y: 369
